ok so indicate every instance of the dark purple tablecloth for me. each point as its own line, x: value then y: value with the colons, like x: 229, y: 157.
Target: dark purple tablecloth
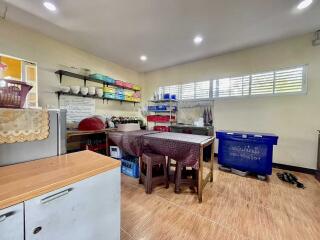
x: 130, y: 142
x: 178, y: 146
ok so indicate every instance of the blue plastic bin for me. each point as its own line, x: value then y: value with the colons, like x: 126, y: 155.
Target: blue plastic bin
x: 246, y: 151
x: 130, y: 166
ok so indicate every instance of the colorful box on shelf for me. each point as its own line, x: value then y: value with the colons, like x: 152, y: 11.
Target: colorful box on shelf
x: 128, y: 85
x: 128, y: 93
x: 136, y: 99
x: 161, y: 128
x: 128, y: 98
x: 109, y: 89
x: 109, y: 95
x: 159, y: 118
x: 136, y: 87
x: 101, y: 77
x: 119, y: 91
x: 120, y: 96
x: 137, y: 94
x: 119, y: 83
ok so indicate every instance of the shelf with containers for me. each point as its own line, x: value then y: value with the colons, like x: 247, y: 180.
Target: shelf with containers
x: 162, y: 113
x: 116, y: 90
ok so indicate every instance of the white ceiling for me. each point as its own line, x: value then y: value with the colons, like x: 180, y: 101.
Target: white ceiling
x: 122, y: 30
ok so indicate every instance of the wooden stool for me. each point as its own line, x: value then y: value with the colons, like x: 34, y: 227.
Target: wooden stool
x: 182, y: 176
x: 150, y: 163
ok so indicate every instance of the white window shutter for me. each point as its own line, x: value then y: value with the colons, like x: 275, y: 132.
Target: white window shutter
x: 187, y: 91
x: 202, y: 90
x: 289, y: 80
x: 262, y: 83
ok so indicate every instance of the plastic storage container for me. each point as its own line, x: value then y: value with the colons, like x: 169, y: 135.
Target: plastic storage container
x: 130, y: 166
x: 159, y: 118
x: 166, y: 96
x: 101, y: 77
x: 246, y: 151
x: 161, y: 128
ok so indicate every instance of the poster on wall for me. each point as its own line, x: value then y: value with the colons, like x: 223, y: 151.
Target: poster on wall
x: 77, y: 108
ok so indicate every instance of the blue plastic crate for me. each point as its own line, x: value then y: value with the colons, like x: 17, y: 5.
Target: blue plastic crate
x: 152, y: 108
x: 161, y: 107
x: 246, y: 151
x: 130, y: 166
x: 166, y: 96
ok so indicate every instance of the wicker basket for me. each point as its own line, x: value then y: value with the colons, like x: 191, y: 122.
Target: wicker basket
x: 13, y: 93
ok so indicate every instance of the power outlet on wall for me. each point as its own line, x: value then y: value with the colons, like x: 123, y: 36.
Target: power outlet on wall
x: 316, y: 40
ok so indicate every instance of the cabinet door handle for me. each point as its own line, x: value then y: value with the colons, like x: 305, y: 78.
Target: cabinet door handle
x: 5, y: 216
x: 55, y: 196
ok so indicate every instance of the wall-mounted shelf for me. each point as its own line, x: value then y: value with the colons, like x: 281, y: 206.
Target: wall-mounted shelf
x: 87, y: 78
x: 59, y: 93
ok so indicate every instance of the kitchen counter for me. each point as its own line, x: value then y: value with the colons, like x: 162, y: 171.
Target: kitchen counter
x: 28, y: 180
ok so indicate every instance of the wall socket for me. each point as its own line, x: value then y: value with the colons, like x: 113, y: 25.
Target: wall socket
x: 316, y: 40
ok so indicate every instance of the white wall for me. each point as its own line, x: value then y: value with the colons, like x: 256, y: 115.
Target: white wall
x: 24, y: 43
x: 294, y: 118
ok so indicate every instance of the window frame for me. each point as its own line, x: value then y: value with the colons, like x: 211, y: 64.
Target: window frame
x: 304, y: 86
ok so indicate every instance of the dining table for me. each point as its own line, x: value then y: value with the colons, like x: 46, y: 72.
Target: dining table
x: 188, y: 148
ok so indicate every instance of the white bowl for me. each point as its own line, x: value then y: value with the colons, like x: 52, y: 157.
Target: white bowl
x: 65, y: 89
x: 92, y: 90
x: 84, y: 90
x: 99, y: 92
x: 75, y: 89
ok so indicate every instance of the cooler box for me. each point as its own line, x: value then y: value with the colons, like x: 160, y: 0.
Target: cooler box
x: 246, y: 151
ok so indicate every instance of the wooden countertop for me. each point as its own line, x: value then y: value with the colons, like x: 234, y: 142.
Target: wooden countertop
x: 25, y: 181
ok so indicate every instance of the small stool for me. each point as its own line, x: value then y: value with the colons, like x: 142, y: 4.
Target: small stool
x: 150, y: 163
x: 183, y: 176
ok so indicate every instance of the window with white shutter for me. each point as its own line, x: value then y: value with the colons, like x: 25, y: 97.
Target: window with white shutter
x: 289, y: 80
x: 284, y: 81
x: 262, y: 83
x: 202, y: 90
x: 187, y: 91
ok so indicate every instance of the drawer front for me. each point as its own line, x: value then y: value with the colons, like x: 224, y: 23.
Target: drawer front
x: 11, y: 223
x: 89, y: 209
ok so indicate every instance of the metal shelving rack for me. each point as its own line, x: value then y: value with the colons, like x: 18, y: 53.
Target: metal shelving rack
x: 172, y: 109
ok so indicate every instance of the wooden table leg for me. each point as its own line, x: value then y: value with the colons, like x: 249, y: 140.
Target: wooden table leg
x: 200, y: 175
x: 178, y: 177
x: 212, y: 160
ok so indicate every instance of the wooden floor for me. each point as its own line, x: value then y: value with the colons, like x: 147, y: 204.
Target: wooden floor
x: 233, y: 208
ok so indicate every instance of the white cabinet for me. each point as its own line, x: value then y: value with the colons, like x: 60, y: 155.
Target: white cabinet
x: 86, y: 210
x: 11, y: 223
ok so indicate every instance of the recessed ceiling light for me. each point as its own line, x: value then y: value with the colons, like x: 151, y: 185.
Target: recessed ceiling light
x: 143, y: 58
x: 198, y: 39
x: 304, y: 4
x: 50, y: 6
